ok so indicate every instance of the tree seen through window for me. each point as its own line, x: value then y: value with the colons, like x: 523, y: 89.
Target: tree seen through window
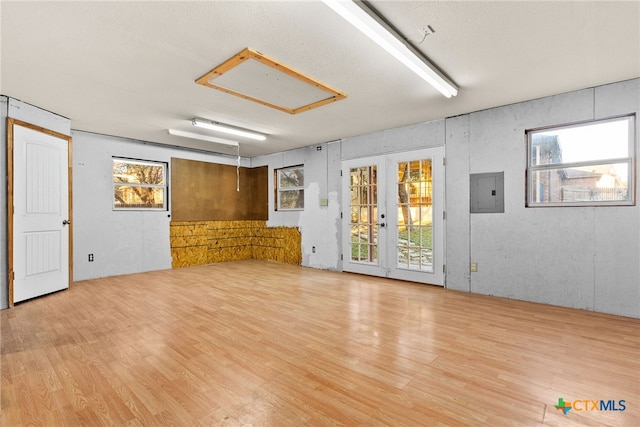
x: 139, y: 184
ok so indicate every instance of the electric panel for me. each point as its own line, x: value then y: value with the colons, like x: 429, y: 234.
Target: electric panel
x: 487, y: 192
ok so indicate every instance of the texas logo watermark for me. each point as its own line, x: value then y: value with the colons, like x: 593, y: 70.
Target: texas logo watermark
x: 590, y: 405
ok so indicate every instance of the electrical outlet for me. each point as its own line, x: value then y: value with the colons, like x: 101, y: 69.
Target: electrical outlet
x: 474, y: 267
x: 90, y: 257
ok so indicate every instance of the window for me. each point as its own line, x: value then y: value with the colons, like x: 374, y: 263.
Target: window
x: 139, y: 184
x: 290, y: 188
x: 588, y: 164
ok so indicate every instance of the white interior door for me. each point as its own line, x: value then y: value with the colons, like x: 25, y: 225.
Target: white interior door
x: 393, y: 222
x: 40, y: 213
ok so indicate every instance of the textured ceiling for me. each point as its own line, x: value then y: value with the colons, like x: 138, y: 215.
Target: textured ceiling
x: 128, y: 68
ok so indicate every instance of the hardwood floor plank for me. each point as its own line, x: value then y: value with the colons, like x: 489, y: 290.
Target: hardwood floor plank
x: 471, y: 396
x: 73, y: 393
x: 66, y: 411
x: 147, y: 397
x: 260, y: 343
x: 88, y: 417
x: 9, y: 399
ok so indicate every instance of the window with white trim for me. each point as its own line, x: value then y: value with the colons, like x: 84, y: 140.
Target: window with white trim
x: 289, y: 186
x: 139, y: 185
x: 585, y: 164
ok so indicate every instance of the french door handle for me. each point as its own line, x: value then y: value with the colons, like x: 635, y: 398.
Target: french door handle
x: 382, y: 224
x: 66, y: 222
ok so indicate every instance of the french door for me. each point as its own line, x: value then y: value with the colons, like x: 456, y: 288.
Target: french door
x: 393, y: 218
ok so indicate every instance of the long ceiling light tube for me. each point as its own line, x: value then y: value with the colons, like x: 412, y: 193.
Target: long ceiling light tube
x: 218, y: 127
x: 390, y: 41
x: 203, y: 137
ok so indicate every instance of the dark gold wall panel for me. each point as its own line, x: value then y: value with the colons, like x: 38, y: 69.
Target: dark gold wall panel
x: 202, y: 191
x: 259, y: 193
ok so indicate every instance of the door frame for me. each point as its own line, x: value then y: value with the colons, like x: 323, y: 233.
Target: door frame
x: 386, y: 255
x: 10, y: 180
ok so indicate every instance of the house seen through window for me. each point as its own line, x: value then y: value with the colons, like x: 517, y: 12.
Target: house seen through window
x: 139, y: 184
x: 585, y: 164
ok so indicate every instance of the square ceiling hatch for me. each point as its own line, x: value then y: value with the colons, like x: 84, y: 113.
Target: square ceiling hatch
x: 258, y: 78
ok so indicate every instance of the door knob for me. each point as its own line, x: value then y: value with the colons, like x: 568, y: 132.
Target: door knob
x: 382, y: 224
x: 66, y: 222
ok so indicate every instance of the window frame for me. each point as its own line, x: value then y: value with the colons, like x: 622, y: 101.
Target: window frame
x: 278, y: 190
x: 531, y: 169
x: 164, y: 186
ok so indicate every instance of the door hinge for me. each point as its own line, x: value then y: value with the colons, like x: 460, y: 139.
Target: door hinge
x: 444, y: 161
x: 341, y: 259
x: 444, y: 268
x: 340, y: 215
x: 340, y: 172
x: 444, y: 215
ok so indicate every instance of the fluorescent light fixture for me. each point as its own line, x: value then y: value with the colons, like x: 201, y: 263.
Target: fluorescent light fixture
x: 377, y: 30
x: 218, y: 127
x: 202, y: 137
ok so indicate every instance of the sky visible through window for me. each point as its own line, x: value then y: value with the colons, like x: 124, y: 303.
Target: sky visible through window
x: 598, y: 141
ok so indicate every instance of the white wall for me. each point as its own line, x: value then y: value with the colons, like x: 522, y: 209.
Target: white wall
x: 414, y: 137
x: 320, y: 224
x: 581, y: 257
x: 13, y: 108
x: 122, y: 242
x: 457, y: 204
x: 317, y: 222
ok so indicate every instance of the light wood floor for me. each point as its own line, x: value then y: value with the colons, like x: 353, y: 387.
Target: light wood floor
x: 265, y: 344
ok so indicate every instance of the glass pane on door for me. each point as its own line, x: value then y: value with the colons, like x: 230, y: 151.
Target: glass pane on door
x: 364, y: 214
x: 414, y: 228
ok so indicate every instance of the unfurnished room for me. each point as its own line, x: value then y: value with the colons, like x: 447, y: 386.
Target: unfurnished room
x: 320, y: 212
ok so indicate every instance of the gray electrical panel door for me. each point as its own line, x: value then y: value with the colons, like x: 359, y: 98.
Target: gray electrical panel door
x: 487, y: 192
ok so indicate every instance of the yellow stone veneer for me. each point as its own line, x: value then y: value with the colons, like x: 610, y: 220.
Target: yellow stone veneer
x: 206, y: 242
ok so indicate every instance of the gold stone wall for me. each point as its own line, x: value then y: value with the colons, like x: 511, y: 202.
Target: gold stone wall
x: 206, y: 242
